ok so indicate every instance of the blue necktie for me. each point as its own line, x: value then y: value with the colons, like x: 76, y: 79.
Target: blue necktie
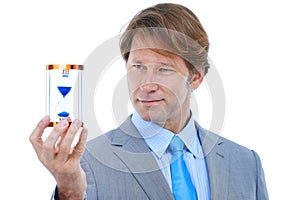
x: 183, y: 188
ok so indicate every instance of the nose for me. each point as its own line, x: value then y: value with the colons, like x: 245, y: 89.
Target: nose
x: 149, y: 87
x: 148, y: 84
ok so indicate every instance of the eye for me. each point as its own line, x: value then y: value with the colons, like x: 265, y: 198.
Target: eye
x: 139, y: 67
x: 166, y: 69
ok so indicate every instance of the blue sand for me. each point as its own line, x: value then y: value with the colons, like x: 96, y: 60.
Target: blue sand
x: 64, y: 90
x: 63, y: 114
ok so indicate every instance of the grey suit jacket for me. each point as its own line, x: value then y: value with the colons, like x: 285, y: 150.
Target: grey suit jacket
x: 119, y: 165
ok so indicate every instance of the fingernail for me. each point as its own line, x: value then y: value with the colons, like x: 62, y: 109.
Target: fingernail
x: 77, y: 123
x: 63, y: 123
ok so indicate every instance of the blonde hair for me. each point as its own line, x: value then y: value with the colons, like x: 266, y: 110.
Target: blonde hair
x: 174, y: 26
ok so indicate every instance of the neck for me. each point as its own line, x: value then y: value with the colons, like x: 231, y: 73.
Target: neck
x: 177, y: 125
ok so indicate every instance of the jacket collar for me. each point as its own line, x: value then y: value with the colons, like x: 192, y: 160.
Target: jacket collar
x: 135, y: 154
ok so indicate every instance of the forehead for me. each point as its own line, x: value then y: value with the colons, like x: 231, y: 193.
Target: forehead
x: 153, y: 56
x: 154, y: 42
x: 152, y: 47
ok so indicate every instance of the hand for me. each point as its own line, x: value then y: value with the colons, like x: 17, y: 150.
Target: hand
x: 59, y: 158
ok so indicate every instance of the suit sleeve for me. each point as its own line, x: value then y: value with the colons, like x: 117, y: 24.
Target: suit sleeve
x: 91, y: 191
x: 55, y: 197
x: 261, y: 188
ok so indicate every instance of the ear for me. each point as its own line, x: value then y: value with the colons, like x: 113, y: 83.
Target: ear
x: 197, y: 78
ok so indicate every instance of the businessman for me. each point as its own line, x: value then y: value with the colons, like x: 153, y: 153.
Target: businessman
x: 160, y: 151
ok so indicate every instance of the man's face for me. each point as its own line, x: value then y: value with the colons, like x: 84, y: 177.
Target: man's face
x: 159, y: 86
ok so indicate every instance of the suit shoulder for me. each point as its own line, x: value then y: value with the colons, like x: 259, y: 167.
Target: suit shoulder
x: 104, y: 137
x: 234, y: 146
x: 99, y: 147
x: 227, y: 145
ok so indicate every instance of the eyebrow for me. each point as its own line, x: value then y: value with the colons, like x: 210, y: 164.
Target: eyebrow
x: 138, y: 61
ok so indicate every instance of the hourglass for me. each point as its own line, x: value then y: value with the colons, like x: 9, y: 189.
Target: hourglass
x: 63, y: 92
x: 64, y: 85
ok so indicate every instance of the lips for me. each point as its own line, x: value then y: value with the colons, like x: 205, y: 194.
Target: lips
x: 150, y: 102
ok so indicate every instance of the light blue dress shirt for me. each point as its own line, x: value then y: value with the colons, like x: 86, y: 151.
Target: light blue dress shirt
x: 158, y: 140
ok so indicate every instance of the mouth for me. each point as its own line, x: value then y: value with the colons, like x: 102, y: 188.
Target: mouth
x: 151, y: 102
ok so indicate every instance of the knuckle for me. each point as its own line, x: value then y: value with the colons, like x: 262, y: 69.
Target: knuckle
x: 47, y: 147
x: 73, y: 129
x: 32, y: 138
x: 51, y: 137
x: 64, y: 149
x: 79, y: 149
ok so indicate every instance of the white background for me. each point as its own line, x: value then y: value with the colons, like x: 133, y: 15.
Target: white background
x: 254, y: 45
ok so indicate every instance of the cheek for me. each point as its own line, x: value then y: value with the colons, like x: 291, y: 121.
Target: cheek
x: 183, y: 93
x: 133, y: 87
x: 132, y: 81
x: 178, y: 91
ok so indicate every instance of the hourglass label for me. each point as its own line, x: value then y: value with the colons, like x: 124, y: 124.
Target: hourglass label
x: 63, y: 92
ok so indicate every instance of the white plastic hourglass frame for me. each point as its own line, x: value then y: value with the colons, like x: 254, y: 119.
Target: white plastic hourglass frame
x: 64, y: 90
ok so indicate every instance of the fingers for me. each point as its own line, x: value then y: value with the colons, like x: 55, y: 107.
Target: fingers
x: 62, y: 136
x: 80, y: 146
x: 49, y: 146
x: 67, y: 140
x: 54, y: 152
x: 36, y: 136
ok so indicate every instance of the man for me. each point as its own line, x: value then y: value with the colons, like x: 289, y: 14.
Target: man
x: 165, y: 49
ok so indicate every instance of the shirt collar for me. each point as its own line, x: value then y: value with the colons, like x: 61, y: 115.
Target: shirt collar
x: 159, y: 138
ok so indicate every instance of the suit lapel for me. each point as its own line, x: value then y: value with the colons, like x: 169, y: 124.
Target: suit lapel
x: 134, y: 153
x: 217, y: 162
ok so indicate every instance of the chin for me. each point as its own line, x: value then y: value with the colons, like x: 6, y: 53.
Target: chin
x: 156, y: 116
